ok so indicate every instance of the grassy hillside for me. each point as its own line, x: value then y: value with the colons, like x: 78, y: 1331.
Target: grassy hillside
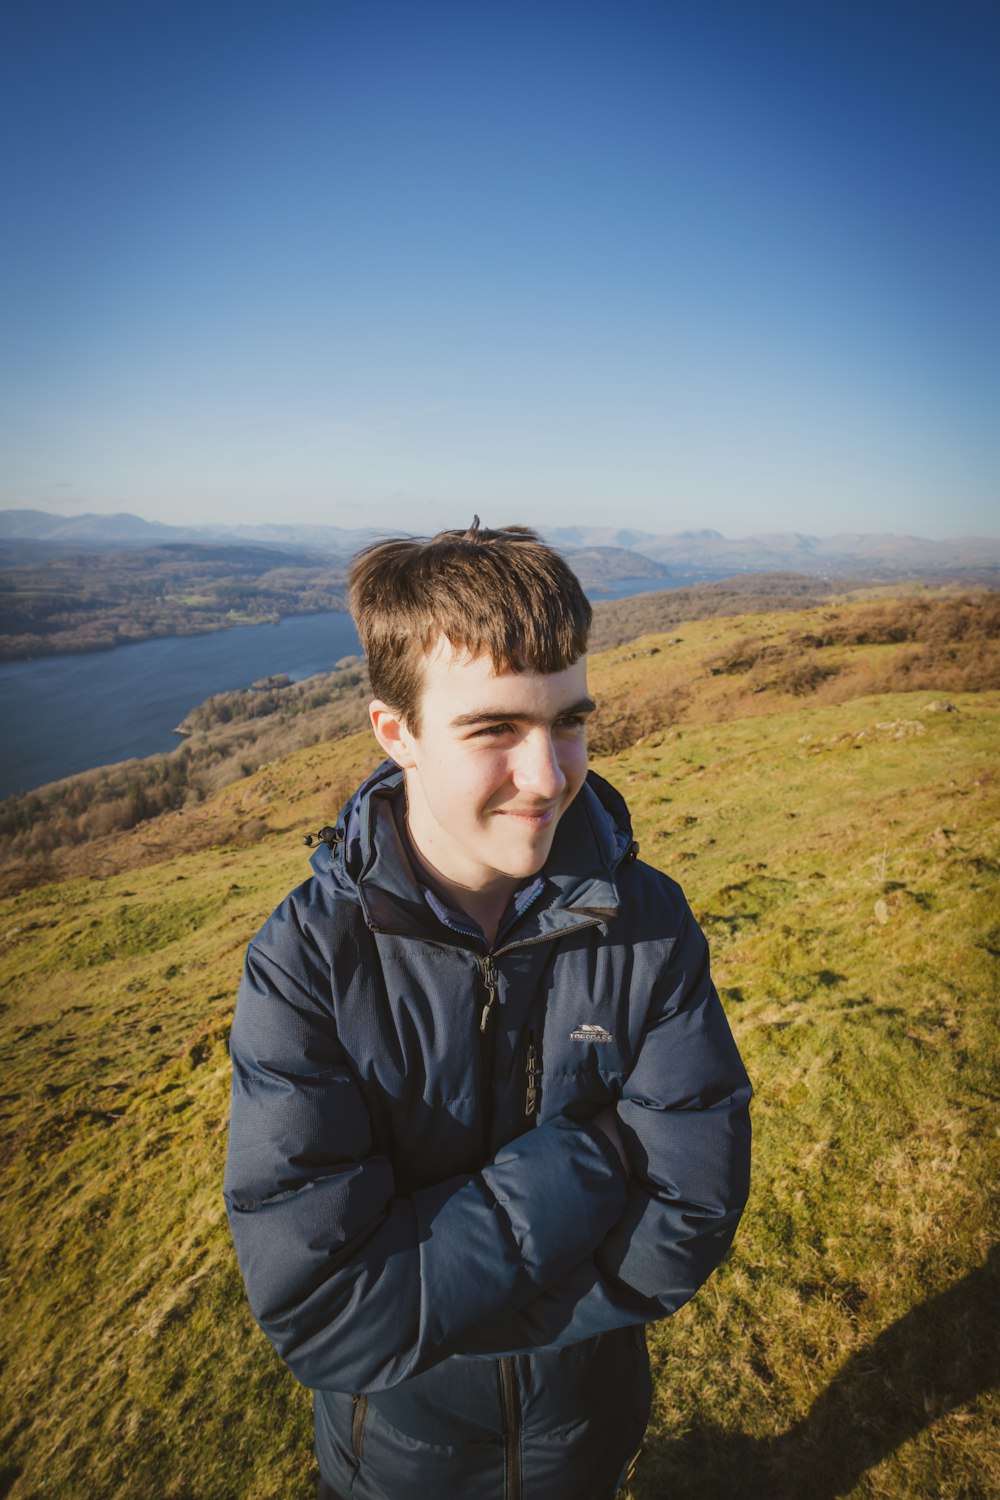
x: 839, y: 844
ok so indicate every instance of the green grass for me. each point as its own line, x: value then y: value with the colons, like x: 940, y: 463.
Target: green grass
x: 843, y: 860
x: 847, y: 880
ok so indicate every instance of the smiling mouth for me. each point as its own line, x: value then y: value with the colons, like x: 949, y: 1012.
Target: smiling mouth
x: 538, y: 817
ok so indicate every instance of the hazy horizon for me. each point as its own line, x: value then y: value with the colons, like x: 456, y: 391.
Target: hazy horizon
x: 541, y: 524
x: 713, y: 267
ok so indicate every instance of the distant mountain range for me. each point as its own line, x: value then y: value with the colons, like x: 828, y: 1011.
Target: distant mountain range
x: 852, y: 552
x: 622, y: 552
x: 126, y: 530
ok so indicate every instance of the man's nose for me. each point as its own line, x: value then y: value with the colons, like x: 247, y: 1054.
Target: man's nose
x: 537, y: 769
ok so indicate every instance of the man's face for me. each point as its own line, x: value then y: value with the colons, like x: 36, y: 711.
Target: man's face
x: 498, y: 760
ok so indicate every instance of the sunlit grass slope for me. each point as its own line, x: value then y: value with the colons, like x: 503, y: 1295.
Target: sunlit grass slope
x: 843, y: 862
x: 842, y: 857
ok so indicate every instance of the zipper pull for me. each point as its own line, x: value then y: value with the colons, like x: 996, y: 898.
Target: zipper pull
x: 531, y: 1093
x: 489, y: 979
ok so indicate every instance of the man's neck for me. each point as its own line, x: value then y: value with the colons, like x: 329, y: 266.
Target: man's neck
x: 486, y: 907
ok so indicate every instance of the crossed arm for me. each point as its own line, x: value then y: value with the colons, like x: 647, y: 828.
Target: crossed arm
x: 359, y: 1287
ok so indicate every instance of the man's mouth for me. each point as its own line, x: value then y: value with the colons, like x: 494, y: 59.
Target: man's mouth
x: 532, y: 817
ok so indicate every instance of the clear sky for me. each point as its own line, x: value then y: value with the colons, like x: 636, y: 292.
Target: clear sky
x: 392, y: 261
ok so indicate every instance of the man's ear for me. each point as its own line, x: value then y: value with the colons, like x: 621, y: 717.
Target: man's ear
x: 392, y: 734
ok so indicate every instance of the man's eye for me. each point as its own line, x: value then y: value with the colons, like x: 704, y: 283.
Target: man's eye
x: 491, y: 730
x: 571, y: 721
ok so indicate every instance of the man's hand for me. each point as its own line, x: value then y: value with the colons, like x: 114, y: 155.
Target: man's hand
x: 606, y: 1121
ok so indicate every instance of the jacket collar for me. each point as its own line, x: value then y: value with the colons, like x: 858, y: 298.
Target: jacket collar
x: 578, y: 879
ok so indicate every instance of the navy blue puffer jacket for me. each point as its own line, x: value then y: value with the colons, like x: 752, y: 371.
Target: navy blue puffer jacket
x: 432, y: 1234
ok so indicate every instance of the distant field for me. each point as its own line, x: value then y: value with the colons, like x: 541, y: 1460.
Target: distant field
x: 838, y: 840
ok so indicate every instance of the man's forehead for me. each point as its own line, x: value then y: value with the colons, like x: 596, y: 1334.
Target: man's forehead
x: 454, y: 674
x: 443, y: 656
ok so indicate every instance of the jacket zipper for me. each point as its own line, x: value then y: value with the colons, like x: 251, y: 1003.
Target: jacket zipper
x: 533, y: 1071
x: 359, y: 1416
x: 490, y: 981
x: 486, y: 1037
x: 510, y: 1403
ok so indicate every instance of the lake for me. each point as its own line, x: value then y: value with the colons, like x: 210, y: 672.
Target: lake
x: 64, y: 714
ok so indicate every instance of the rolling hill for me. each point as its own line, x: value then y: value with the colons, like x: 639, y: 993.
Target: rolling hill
x: 823, y: 782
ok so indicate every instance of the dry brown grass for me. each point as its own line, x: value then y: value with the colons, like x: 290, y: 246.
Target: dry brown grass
x: 719, y: 670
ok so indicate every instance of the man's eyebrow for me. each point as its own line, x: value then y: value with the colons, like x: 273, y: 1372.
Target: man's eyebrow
x: 506, y: 715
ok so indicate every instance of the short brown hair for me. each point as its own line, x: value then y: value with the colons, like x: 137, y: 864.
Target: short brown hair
x: 503, y: 594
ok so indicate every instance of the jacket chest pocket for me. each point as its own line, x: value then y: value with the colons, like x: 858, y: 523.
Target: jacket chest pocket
x: 587, y: 1033
x: 579, y: 1074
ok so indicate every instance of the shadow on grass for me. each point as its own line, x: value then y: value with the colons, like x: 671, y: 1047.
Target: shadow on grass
x: 940, y: 1356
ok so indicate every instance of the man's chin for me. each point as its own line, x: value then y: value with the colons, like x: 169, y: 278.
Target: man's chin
x: 522, y: 864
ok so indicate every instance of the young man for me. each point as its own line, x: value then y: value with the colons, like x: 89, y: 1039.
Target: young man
x: 488, y: 1118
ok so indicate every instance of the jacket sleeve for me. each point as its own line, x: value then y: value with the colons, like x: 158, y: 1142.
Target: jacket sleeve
x: 684, y: 1121
x: 357, y: 1286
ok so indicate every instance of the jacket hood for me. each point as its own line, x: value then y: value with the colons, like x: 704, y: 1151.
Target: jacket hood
x: 367, y: 857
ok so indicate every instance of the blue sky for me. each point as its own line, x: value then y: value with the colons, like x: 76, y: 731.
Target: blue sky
x: 375, y: 262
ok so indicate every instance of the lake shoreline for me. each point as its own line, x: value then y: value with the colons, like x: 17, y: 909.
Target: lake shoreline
x: 101, y: 648
x: 605, y: 593
x: 70, y: 713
